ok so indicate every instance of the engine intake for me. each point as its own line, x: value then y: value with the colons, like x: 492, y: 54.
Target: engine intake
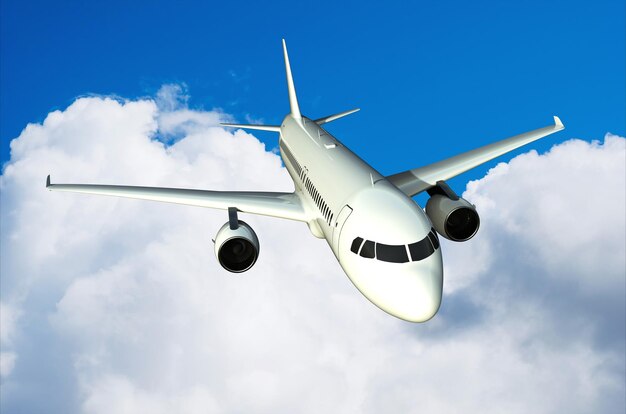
x: 237, y: 249
x: 456, y: 220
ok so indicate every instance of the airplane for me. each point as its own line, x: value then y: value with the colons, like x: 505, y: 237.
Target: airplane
x: 387, y: 245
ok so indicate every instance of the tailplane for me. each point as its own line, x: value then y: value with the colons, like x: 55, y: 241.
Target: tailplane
x: 333, y: 117
x: 272, y: 128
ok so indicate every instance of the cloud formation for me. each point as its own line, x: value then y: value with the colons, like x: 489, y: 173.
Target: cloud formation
x: 113, y: 305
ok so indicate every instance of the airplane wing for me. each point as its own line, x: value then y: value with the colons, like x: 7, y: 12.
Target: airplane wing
x: 415, y: 181
x: 282, y: 205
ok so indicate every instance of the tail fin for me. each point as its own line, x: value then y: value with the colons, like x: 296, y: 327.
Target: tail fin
x: 293, y: 100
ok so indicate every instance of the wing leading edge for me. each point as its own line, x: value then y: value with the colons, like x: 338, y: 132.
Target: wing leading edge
x: 415, y: 181
x: 282, y: 205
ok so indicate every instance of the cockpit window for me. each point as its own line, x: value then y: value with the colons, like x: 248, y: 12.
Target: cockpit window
x: 396, y: 253
x: 368, y: 249
x: 421, y: 250
x: 356, y: 245
x: 393, y: 254
x: 433, y: 238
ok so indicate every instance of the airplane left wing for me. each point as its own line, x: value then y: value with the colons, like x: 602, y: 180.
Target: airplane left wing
x: 282, y: 205
x: 415, y: 181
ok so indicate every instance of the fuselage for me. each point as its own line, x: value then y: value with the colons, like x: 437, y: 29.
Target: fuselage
x: 382, y: 239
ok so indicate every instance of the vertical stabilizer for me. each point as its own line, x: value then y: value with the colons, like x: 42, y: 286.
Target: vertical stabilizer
x: 293, y: 100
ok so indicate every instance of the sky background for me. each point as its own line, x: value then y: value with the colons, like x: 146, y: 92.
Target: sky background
x: 454, y: 74
x: 120, y: 306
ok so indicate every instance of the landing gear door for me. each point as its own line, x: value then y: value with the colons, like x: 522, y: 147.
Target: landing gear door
x: 341, y: 219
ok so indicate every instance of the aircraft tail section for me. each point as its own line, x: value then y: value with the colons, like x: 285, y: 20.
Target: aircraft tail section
x: 293, y: 99
x: 293, y: 103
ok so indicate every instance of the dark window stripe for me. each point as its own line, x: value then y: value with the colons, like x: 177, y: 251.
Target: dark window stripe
x: 356, y: 244
x: 433, y: 239
x: 367, y: 250
x: 393, y: 254
x: 421, y: 250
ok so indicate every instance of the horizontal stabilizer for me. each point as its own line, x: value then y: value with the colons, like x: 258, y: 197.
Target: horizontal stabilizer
x: 331, y: 118
x: 273, y: 128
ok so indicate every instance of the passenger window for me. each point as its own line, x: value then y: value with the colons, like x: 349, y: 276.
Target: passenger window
x: 421, y: 250
x: 393, y: 254
x: 356, y: 243
x: 367, y: 250
x: 433, y: 239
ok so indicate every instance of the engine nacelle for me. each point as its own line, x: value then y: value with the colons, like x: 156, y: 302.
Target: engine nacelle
x: 236, y: 249
x: 456, y: 220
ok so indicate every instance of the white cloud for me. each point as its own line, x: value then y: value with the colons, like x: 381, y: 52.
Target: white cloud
x: 171, y: 97
x: 8, y: 316
x: 176, y: 120
x: 123, y: 307
x: 7, y: 362
x: 119, y: 395
x: 554, y: 230
x: 8, y: 319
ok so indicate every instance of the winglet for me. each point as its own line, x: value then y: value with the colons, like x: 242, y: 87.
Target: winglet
x: 48, y: 181
x: 557, y: 122
x: 293, y: 100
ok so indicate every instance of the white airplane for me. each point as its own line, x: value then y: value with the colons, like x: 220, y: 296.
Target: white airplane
x: 383, y: 240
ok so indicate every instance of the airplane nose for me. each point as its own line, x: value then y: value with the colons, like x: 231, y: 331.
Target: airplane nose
x: 409, y: 291
x: 425, y: 300
x: 424, y: 314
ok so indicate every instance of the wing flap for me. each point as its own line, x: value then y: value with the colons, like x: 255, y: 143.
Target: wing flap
x: 282, y: 205
x: 415, y: 181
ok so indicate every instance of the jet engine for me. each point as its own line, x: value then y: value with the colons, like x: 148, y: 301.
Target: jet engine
x: 236, y: 246
x: 452, y: 216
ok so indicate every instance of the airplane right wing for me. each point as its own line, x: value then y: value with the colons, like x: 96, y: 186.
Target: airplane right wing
x: 282, y: 205
x: 415, y: 181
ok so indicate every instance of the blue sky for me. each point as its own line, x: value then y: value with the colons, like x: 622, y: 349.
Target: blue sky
x: 432, y: 78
